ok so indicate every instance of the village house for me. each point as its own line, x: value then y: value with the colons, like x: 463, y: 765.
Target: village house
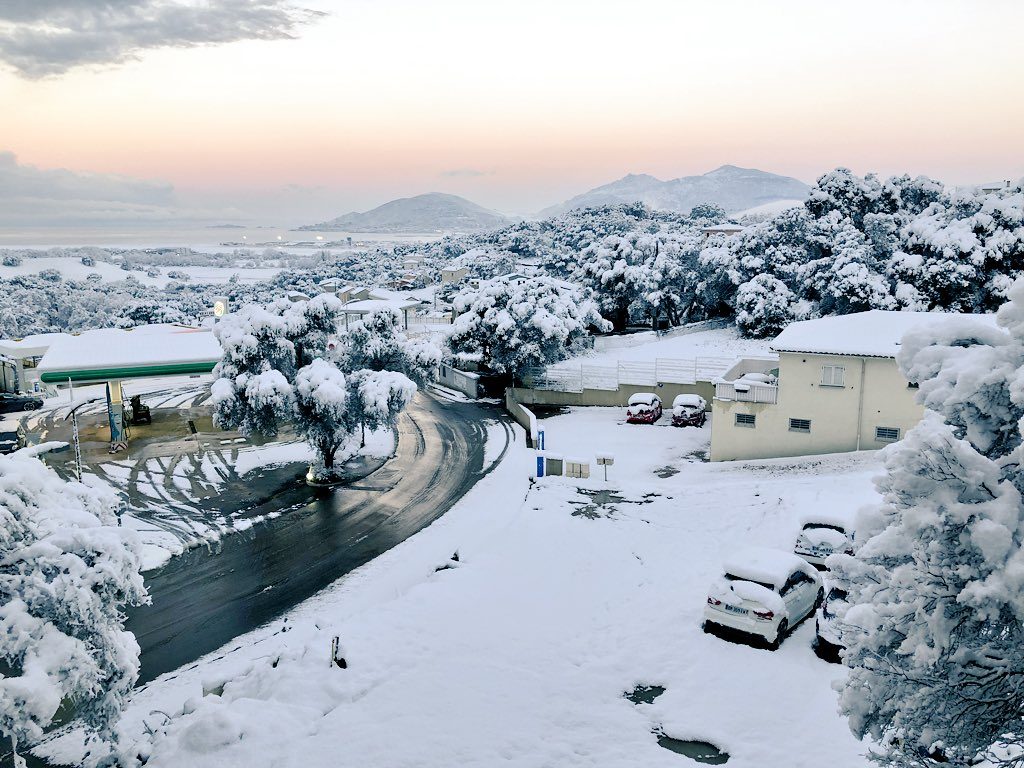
x: 831, y: 385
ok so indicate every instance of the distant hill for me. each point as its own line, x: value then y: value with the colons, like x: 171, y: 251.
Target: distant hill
x: 735, y: 189
x: 433, y: 212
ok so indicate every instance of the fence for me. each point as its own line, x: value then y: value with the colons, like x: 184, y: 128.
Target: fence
x: 576, y: 378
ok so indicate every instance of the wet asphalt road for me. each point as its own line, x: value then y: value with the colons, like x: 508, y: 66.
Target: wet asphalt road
x: 203, y: 599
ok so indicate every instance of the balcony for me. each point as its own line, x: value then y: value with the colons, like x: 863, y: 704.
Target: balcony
x: 750, y: 380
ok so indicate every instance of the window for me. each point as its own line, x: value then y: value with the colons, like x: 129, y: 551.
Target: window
x: 887, y: 434
x: 833, y: 375
x: 745, y: 419
x: 794, y: 582
x: 799, y: 425
x: 913, y: 385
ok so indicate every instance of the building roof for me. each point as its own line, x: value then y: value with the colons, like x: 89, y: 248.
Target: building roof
x: 366, y: 306
x: 30, y: 346
x: 113, y: 353
x: 864, y: 334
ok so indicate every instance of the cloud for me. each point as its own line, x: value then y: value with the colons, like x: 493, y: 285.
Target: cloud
x: 39, y: 38
x: 59, y: 197
x: 465, y: 173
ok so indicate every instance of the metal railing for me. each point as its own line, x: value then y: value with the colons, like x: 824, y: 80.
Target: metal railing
x: 745, y: 392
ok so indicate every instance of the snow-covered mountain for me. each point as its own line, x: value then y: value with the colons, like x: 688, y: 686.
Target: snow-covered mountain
x: 433, y: 212
x: 735, y: 189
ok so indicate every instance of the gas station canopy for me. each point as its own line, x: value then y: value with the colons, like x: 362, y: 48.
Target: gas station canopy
x: 113, y: 354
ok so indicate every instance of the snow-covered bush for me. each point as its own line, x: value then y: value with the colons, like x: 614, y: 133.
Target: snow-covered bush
x: 506, y: 326
x: 935, y: 635
x: 67, y: 574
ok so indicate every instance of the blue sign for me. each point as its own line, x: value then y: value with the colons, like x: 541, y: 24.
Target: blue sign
x: 540, y: 439
x: 540, y: 466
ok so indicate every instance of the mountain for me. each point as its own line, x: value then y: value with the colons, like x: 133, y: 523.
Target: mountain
x: 433, y: 212
x: 735, y: 189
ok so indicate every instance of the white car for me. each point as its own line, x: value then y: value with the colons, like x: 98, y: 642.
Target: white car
x: 823, y: 534
x: 764, y: 593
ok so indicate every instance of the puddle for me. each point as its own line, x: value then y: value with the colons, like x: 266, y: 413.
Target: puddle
x: 644, y: 694
x: 666, y: 472
x: 701, y: 751
x: 603, y: 503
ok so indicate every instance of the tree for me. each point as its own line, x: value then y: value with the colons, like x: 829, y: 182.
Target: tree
x: 764, y: 306
x: 935, y: 631
x: 615, y: 270
x: 67, y: 573
x: 291, y: 363
x: 506, y: 327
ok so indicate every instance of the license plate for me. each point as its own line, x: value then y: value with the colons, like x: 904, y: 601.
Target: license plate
x: 734, y: 609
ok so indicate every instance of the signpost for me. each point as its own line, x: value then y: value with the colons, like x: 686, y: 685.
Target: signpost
x: 605, y: 460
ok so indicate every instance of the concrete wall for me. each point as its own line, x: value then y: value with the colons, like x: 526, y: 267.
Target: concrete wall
x: 610, y: 397
x: 874, y: 394
x: 522, y: 415
x: 461, y: 381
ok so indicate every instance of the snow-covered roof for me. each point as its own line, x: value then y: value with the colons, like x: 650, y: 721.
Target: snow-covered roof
x: 866, y: 334
x: 30, y: 346
x: 770, y: 566
x: 366, y: 306
x: 113, y: 353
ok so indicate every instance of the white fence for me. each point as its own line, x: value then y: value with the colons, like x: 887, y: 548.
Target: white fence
x: 576, y: 378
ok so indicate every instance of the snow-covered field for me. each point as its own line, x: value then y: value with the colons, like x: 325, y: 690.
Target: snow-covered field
x: 74, y: 269
x: 685, y: 343
x: 566, y: 595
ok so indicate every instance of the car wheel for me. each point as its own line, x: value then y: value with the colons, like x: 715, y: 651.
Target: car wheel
x: 783, y: 629
x: 819, y: 599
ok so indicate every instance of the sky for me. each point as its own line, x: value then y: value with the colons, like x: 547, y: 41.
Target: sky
x: 293, y: 112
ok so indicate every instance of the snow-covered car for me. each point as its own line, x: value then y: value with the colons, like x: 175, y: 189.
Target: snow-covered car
x: 644, y: 408
x: 828, y: 624
x: 764, y: 593
x: 689, y: 411
x: 823, y: 534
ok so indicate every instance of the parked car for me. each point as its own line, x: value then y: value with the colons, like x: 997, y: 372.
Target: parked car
x: 9, y: 442
x: 763, y: 593
x: 821, y: 535
x: 689, y: 411
x: 644, y: 408
x: 12, y: 403
x: 828, y: 625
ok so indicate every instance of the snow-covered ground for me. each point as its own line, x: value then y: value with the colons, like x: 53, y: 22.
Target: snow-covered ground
x: 566, y: 595
x: 686, y: 343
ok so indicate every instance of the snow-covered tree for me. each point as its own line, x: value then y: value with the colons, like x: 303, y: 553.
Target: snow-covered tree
x: 506, y: 327
x: 616, y: 272
x: 935, y: 632
x: 67, y: 574
x: 764, y: 306
x: 260, y: 384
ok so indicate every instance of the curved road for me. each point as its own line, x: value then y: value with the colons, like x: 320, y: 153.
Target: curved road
x: 201, y: 600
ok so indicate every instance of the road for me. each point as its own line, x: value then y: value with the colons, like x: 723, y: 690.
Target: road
x: 203, y: 599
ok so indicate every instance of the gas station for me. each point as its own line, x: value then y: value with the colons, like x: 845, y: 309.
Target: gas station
x: 112, y: 356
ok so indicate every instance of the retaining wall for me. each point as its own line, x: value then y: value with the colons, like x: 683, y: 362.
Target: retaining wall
x: 606, y: 397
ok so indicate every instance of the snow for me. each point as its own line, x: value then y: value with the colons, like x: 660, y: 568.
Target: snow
x: 689, y: 401
x: 519, y: 656
x: 72, y: 268
x: 728, y: 591
x: 146, y: 345
x: 841, y: 518
x: 769, y: 566
x: 644, y: 398
x: 274, y: 454
x: 876, y: 333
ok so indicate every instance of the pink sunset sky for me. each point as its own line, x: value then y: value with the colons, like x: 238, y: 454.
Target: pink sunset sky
x: 297, y: 116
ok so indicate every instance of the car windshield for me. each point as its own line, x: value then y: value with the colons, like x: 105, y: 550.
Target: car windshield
x: 730, y: 577
x: 812, y: 526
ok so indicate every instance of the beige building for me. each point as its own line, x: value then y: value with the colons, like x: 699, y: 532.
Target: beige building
x: 832, y: 386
